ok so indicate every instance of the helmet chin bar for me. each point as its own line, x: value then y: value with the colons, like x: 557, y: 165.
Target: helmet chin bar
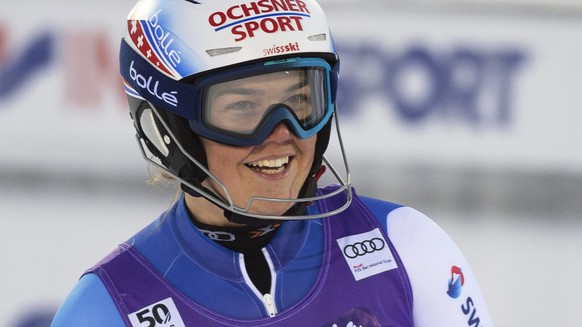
x: 225, y: 202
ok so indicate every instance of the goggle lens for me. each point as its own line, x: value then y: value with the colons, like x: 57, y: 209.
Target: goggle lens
x: 240, y: 106
x: 243, y: 106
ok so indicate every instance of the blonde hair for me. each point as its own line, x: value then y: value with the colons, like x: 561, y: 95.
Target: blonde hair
x: 164, y: 182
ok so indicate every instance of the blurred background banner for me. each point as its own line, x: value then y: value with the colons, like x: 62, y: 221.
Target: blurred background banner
x: 467, y: 110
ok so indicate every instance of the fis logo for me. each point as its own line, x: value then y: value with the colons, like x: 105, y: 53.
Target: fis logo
x: 367, y: 254
x: 456, y: 282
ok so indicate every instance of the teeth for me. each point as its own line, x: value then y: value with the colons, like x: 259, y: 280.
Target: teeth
x: 274, y: 163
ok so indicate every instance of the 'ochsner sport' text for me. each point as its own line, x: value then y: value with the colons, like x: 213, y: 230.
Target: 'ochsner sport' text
x: 268, y: 16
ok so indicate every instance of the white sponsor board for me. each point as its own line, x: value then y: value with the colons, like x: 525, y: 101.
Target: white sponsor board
x: 461, y: 89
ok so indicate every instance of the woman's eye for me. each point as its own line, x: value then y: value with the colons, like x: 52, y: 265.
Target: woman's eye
x: 298, y: 99
x: 240, y: 105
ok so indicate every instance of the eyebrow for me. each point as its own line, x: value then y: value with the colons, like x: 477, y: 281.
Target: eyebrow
x: 298, y: 86
x: 251, y: 91
x: 238, y: 91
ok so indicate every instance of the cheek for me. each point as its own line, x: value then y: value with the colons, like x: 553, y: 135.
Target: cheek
x: 222, y: 160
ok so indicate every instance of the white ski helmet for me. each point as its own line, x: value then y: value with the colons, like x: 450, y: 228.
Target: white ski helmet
x: 176, y: 51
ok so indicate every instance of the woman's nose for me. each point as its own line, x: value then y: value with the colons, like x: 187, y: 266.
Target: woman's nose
x: 280, y: 133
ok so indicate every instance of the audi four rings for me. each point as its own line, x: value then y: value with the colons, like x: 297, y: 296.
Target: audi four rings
x: 362, y: 248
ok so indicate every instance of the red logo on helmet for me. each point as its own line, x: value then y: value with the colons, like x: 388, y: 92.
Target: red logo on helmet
x: 267, y: 16
x: 154, y: 42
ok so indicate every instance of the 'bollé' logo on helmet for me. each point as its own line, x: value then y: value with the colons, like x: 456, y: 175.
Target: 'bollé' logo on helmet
x: 146, y: 84
x: 155, y: 42
x: 267, y: 16
x: 163, y: 39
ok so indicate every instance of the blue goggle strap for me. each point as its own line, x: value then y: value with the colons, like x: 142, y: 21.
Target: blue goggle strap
x: 154, y: 86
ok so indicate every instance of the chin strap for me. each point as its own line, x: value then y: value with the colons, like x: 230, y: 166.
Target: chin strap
x: 307, y: 190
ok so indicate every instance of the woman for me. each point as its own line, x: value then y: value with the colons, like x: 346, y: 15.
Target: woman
x: 235, y: 99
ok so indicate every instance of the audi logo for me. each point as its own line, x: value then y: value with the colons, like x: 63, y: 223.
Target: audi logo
x: 362, y: 248
x: 218, y: 235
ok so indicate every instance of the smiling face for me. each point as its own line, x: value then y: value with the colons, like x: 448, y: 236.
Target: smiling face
x: 276, y: 169
x: 279, y: 166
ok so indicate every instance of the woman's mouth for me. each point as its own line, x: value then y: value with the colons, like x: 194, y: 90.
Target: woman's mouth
x: 270, y: 167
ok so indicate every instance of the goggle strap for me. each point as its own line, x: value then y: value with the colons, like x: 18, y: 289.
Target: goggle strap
x: 154, y: 86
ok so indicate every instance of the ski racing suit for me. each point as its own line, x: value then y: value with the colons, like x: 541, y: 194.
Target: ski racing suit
x: 375, y: 264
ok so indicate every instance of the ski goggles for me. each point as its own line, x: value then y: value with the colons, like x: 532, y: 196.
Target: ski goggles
x: 241, y: 106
